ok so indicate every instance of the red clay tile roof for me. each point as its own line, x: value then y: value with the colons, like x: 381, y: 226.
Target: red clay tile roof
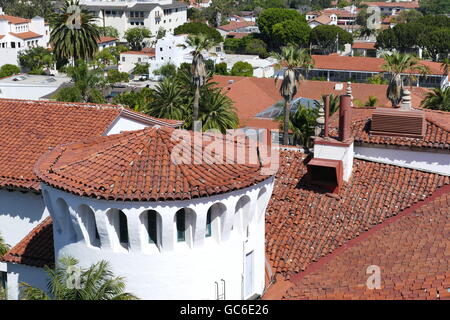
x: 106, y: 39
x: 237, y: 35
x: 26, y: 35
x: 264, y: 94
x: 304, y: 223
x: 437, y: 134
x: 30, y: 128
x: 13, y: 19
x: 36, y: 249
x: 368, y: 64
x: 412, y: 251
x: 364, y: 45
x: 402, y: 4
x: 138, y: 166
x: 322, y: 19
x: 143, y: 53
x: 234, y: 25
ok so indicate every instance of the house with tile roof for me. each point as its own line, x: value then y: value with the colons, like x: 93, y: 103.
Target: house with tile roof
x: 18, y: 34
x: 29, y: 129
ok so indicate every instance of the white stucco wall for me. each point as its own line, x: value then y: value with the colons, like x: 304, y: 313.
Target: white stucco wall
x: 426, y: 161
x: 125, y: 124
x: 343, y: 153
x: 171, y: 270
x: 20, y: 212
x: 19, y: 273
x: 18, y: 91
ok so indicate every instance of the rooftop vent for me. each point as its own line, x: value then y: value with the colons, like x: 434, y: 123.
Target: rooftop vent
x: 395, y: 122
x: 326, y: 173
x: 230, y: 81
x: 19, y: 78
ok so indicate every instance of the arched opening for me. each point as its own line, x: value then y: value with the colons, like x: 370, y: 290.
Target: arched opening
x: 242, y: 216
x: 185, y: 226
x: 62, y: 215
x: 152, y: 227
x: 89, y: 226
x: 261, y: 202
x: 118, y: 228
x: 215, y: 221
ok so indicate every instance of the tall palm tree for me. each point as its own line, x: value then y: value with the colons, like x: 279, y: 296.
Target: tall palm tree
x: 74, y: 34
x: 217, y: 111
x: 95, y: 283
x: 438, y: 99
x: 4, y: 248
x: 198, y: 43
x: 291, y: 59
x: 168, y: 101
x: 397, y: 65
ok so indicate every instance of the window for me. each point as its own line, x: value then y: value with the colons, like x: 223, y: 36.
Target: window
x: 181, y: 225
x: 123, y: 228
x: 208, y: 224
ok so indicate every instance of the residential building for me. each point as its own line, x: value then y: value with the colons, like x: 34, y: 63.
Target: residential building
x: 123, y: 15
x: 337, y: 17
x: 392, y: 8
x: 359, y: 69
x: 262, y: 68
x: 241, y: 26
x: 106, y: 42
x: 18, y: 34
x: 129, y: 59
x: 364, y: 48
x: 32, y: 87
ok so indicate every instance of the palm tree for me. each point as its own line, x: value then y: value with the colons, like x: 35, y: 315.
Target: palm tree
x: 217, y: 111
x: 95, y: 283
x: 396, y: 65
x: 438, y: 99
x: 199, y: 43
x: 168, y: 101
x: 4, y: 248
x: 333, y: 103
x: 302, y: 123
x: 291, y: 59
x: 74, y: 35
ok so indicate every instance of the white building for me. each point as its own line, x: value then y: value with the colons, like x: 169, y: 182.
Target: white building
x: 32, y: 87
x: 262, y: 68
x: 129, y: 59
x: 106, y: 42
x: 169, y: 50
x: 18, y: 34
x: 30, y: 128
x: 123, y: 15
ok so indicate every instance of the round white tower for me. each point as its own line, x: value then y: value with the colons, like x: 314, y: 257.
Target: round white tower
x: 174, y: 230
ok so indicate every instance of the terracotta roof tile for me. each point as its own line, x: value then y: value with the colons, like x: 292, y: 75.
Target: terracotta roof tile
x: 106, y: 39
x: 30, y: 128
x: 108, y: 167
x: 234, y: 25
x: 26, y: 35
x: 13, y: 19
x: 413, y: 253
x: 305, y: 223
x: 437, y: 134
x: 364, y: 45
x: 36, y: 249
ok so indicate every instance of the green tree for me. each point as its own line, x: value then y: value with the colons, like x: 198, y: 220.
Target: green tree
x: 117, y: 50
x: 4, y: 248
x: 438, y: 99
x: 136, y: 100
x: 108, y: 31
x: 217, y: 111
x: 301, y: 124
x: 167, y: 70
x: 371, y: 101
x: 97, y: 283
x: 291, y: 60
x: 407, y: 16
x: 377, y: 79
x: 197, y: 28
x: 38, y: 60
x: 255, y: 46
x: 328, y: 38
x: 115, y: 76
x: 87, y: 81
x: 387, y: 39
x: 221, y: 8
x: 436, y: 42
x: 73, y: 38
x: 168, y: 101
x: 242, y: 68
x: 28, y: 9
x: 8, y: 70
x: 141, y: 68
x: 221, y: 68
x: 68, y: 94
x: 104, y: 58
x: 273, y: 16
x: 396, y: 65
x: 292, y: 32
x: 135, y: 37
x: 198, y: 43
x: 434, y: 6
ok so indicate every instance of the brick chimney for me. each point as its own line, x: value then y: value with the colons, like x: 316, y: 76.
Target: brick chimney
x: 345, y: 117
